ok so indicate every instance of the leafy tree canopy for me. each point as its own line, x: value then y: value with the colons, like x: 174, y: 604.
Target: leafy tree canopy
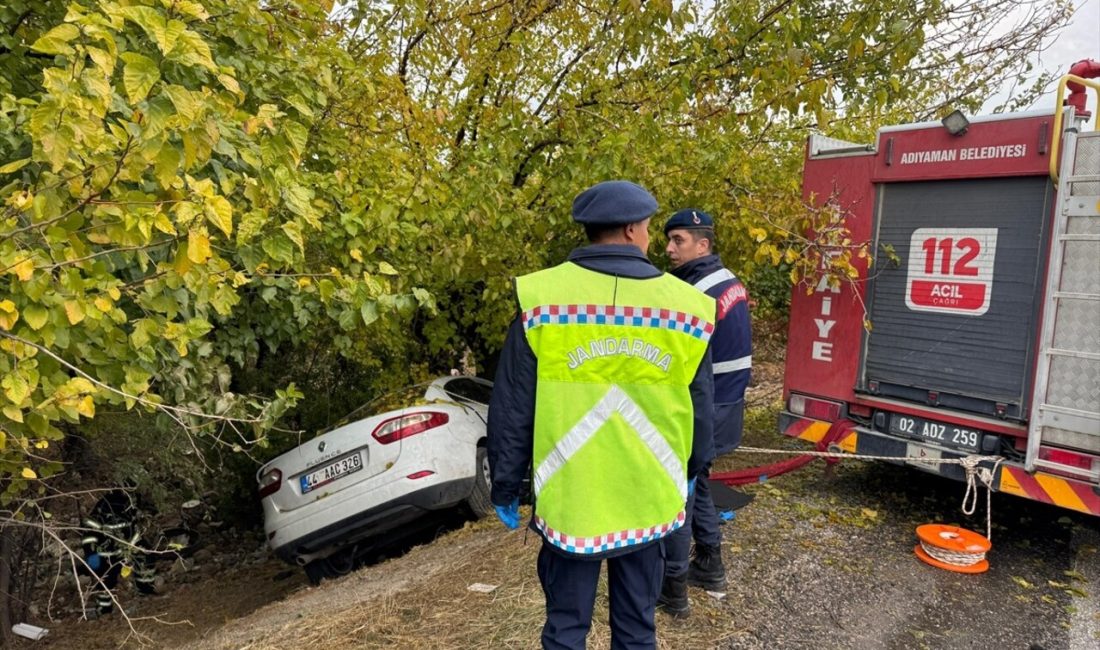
x: 201, y: 198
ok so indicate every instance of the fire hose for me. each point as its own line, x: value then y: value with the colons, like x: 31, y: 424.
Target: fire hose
x: 763, y: 472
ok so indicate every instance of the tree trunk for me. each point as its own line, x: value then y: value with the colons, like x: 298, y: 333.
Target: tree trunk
x: 6, y: 547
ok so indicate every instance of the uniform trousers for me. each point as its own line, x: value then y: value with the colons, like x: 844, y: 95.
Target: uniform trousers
x: 633, y: 584
x: 701, y: 523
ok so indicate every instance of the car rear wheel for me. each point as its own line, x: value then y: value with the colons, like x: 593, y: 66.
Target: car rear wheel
x: 333, y: 566
x: 478, y: 501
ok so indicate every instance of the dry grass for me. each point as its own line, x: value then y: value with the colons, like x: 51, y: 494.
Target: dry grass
x: 440, y: 612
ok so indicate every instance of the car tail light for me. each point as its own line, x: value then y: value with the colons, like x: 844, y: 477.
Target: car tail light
x: 408, y: 425
x: 421, y: 474
x: 1075, y: 463
x: 270, y: 482
x: 817, y: 409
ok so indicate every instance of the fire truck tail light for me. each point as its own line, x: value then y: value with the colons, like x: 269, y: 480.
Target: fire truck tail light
x: 1075, y: 463
x: 860, y: 410
x: 817, y: 409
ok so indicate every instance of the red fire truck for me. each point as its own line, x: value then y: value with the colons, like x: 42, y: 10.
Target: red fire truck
x: 985, y: 337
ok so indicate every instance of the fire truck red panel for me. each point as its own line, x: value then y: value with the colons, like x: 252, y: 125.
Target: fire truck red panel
x: 953, y: 323
x: 1019, y: 147
x: 824, y: 337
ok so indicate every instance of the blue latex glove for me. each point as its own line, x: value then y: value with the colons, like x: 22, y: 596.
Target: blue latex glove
x: 691, y: 487
x: 94, y: 561
x: 509, y: 514
x: 727, y: 515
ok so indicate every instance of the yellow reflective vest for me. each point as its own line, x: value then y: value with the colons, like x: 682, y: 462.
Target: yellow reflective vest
x: 613, y: 413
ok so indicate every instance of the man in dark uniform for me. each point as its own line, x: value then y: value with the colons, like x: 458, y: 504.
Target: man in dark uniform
x: 690, y: 249
x: 604, y: 390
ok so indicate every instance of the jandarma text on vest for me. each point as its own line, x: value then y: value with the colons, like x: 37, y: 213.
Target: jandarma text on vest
x: 624, y: 346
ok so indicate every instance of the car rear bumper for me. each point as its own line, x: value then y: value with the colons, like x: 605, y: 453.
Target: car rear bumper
x: 376, y: 520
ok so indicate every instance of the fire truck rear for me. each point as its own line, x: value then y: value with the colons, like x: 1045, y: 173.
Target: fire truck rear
x: 985, y: 337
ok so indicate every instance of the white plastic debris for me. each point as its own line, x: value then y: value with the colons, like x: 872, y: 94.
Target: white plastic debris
x: 717, y: 595
x: 28, y: 631
x: 481, y: 588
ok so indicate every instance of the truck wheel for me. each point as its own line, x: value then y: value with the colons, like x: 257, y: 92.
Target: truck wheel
x: 478, y: 502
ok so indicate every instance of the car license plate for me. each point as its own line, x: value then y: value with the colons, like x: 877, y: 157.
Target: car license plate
x: 948, y: 435
x: 331, y: 472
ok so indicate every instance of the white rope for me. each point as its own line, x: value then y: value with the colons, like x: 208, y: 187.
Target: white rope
x: 958, y: 558
x: 970, y: 465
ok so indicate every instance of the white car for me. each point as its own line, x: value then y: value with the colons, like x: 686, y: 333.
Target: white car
x: 326, y: 498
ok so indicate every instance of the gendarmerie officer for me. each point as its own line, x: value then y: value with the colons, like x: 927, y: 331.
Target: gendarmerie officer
x: 604, y: 390
x: 690, y: 249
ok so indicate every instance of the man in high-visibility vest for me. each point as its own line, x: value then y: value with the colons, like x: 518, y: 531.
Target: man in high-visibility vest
x: 604, y: 390
x: 690, y: 249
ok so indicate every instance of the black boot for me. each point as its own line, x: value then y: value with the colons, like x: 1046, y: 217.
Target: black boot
x: 674, y: 596
x: 706, y: 568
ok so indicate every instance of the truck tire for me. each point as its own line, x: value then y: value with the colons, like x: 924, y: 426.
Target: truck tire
x: 478, y: 502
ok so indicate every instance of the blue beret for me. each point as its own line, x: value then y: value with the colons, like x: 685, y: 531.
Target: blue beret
x: 689, y: 218
x: 613, y: 203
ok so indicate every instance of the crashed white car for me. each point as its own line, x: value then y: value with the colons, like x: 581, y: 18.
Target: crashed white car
x: 324, y: 499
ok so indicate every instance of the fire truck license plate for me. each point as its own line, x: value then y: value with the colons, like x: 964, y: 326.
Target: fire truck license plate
x: 948, y: 435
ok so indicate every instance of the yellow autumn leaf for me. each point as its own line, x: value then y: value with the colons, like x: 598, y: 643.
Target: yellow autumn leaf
x: 198, y: 246
x: 24, y: 269
x: 9, y: 315
x: 86, y: 407
x: 304, y: 282
x: 42, y: 444
x: 103, y: 305
x: 29, y: 473
x: 74, y: 311
x: 126, y: 571
x: 114, y: 293
x: 356, y: 255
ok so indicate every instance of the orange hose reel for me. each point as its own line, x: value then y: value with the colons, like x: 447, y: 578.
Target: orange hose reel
x: 952, y: 548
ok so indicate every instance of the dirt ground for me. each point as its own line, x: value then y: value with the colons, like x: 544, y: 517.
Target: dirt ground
x: 818, y: 560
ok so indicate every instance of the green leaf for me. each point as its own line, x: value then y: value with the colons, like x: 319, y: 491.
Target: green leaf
x: 220, y: 213
x: 139, y: 75
x: 103, y: 59
x: 369, y: 312
x: 184, y: 101
x: 294, y: 232
x: 15, y: 387
x: 297, y: 199
x: 56, y: 41
x: 279, y: 247
x: 167, y: 166
x: 385, y: 268
x: 14, y: 166
x: 36, y: 316
x: 150, y: 20
x: 13, y: 413
x: 191, y: 50
x: 192, y: 9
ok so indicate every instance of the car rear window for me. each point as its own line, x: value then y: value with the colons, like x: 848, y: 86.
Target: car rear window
x: 468, y: 389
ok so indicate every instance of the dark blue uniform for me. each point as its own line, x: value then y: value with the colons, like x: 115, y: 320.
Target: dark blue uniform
x: 569, y: 580
x: 731, y: 356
